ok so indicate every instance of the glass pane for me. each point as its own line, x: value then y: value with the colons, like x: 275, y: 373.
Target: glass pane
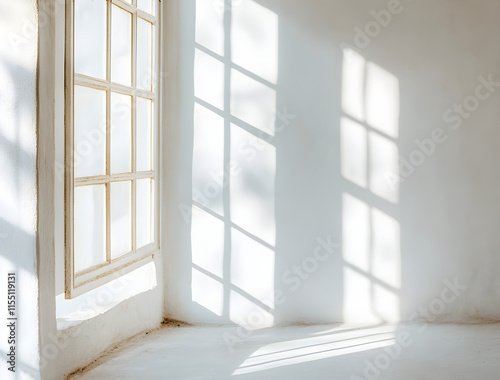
x: 121, y: 218
x: 121, y: 46
x: 90, y: 226
x: 121, y: 133
x: 89, y: 148
x: 145, y: 5
x: 144, y: 212
x: 90, y: 25
x: 144, y: 107
x: 144, y: 51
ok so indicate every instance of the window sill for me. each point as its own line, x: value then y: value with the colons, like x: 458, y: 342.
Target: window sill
x: 75, y: 311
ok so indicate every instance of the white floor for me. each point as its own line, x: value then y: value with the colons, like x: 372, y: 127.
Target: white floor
x: 401, y: 352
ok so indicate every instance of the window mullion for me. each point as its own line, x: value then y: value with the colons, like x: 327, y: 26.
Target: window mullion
x: 134, y: 127
x: 134, y: 172
x: 146, y: 16
x: 108, y: 42
x: 99, y: 84
x: 108, y: 174
x: 108, y: 135
x: 124, y: 5
x: 156, y: 70
x: 134, y: 49
x: 69, y: 272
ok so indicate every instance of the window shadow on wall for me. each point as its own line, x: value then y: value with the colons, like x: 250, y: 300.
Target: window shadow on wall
x: 293, y: 216
x: 17, y: 234
x: 293, y: 211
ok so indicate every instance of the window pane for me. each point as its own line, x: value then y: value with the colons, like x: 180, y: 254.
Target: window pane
x: 90, y: 226
x: 144, y: 52
x: 145, y: 5
x: 89, y: 148
x: 121, y: 133
x: 144, y: 212
x: 90, y: 25
x: 121, y: 46
x: 144, y: 107
x: 121, y: 218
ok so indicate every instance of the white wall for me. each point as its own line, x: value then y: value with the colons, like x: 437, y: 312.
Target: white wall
x: 315, y: 180
x: 345, y: 117
x: 18, y: 214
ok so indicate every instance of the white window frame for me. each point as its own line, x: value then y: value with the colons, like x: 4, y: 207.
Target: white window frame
x: 78, y: 283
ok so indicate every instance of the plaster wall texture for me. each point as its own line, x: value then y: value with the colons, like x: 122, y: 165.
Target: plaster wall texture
x: 338, y: 162
x: 18, y: 184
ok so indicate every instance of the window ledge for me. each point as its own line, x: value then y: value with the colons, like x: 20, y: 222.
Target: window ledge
x: 72, y: 312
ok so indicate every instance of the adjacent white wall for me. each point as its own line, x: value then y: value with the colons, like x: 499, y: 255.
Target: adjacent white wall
x: 345, y: 109
x: 18, y: 210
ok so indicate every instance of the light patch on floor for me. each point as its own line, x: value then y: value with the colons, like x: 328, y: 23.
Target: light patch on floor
x: 390, y: 352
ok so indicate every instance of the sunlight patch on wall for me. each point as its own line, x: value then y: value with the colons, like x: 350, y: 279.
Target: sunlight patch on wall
x: 385, y: 304
x: 209, y: 79
x: 207, y: 291
x: 370, y: 100
x: 356, y: 232
x: 369, y: 130
x: 252, y: 268
x: 210, y: 26
x: 253, y: 102
x: 208, y: 158
x: 207, y: 242
x: 234, y: 160
x: 372, y: 254
x: 358, y: 301
x: 386, y: 248
x: 383, y: 159
x: 254, y: 39
x: 382, y: 100
x: 354, y: 151
x: 353, y: 84
x: 252, y: 188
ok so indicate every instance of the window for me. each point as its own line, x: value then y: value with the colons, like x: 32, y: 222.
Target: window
x: 111, y: 139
